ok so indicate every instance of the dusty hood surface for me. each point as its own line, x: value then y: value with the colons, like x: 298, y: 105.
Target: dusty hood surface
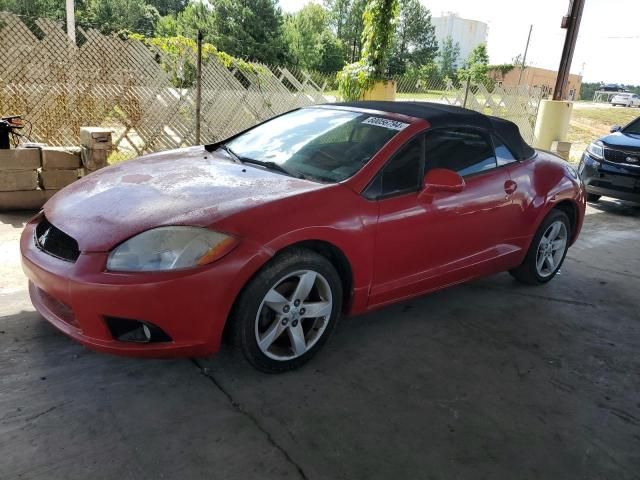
x: 181, y: 187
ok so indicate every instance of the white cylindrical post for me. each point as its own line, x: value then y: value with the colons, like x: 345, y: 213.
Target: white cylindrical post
x: 71, y: 21
x: 552, y: 123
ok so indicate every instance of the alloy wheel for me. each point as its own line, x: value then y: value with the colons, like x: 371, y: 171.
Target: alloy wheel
x: 293, y: 315
x: 551, y: 249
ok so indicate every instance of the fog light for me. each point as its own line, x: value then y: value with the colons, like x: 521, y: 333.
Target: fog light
x: 127, y: 330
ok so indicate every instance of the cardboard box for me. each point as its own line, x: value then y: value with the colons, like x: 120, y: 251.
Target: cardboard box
x: 60, y: 158
x: 20, y: 159
x: 12, y: 181
x: 32, y: 200
x: 57, y: 179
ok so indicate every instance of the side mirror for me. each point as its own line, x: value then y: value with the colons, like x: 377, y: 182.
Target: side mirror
x: 615, y: 128
x: 441, y: 180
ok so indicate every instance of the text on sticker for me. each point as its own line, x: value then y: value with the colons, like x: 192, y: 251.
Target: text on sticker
x: 386, y: 123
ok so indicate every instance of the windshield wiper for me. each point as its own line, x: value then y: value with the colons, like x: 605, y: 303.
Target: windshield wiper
x: 271, y: 166
x: 231, y: 153
x: 268, y: 165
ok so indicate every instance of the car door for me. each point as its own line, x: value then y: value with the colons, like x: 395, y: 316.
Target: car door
x: 427, y: 243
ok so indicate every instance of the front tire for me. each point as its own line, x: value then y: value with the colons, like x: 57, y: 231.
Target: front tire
x: 547, y: 251
x: 286, y: 313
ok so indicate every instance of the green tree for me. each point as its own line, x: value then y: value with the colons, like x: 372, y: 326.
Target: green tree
x: 345, y: 17
x: 166, y: 7
x: 303, y: 32
x: 196, y: 16
x: 448, y: 58
x: 107, y: 15
x: 249, y: 29
x: 35, y: 8
x: 115, y: 15
x: 311, y: 42
x: 476, y: 68
x: 332, y: 54
x: 167, y: 26
x: 338, y: 11
x: 415, y: 41
x: 588, y: 90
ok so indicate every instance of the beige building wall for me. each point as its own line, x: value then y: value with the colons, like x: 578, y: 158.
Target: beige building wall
x: 538, y: 77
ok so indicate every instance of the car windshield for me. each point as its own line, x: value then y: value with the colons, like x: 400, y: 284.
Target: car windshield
x: 324, y: 144
x: 633, y: 128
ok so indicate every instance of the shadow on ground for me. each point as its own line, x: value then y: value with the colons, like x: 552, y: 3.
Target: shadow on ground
x: 486, y: 380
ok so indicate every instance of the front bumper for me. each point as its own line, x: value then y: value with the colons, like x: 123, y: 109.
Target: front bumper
x: 609, y: 179
x: 190, y: 306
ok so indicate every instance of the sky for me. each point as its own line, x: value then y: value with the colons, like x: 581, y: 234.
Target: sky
x: 608, y: 45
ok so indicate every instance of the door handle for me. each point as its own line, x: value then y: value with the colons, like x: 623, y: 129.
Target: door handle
x: 510, y: 186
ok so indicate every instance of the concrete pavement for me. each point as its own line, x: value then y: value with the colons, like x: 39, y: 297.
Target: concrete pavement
x: 487, y: 380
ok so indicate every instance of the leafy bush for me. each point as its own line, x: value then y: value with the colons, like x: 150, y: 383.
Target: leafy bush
x: 503, y: 68
x: 355, y: 79
x: 379, y: 26
x: 429, y: 77
x: 181, y: 57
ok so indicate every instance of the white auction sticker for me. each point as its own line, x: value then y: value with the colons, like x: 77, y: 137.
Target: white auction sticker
x: 386, y: 123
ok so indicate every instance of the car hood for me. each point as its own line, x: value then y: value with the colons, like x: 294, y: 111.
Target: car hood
x: 180, y: 187
x: 622, y: 140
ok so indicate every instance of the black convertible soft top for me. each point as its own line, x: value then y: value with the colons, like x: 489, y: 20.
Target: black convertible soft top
x: 439, y: 115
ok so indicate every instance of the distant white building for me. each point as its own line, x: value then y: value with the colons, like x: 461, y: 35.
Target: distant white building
x: 467, y: 33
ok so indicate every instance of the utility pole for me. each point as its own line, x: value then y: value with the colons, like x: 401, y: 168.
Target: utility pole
x: 524, y: 59
x: 71, y: 21
x: 571, y: 22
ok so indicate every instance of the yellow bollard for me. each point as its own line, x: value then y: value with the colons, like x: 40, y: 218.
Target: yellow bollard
x: 552, y: 123
x: 381, y: 90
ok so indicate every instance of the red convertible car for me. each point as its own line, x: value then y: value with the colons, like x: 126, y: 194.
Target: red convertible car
x: 272, y: 234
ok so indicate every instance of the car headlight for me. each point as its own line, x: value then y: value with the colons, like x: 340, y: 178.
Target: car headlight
x: 596, y: 150
x: 169, y: 248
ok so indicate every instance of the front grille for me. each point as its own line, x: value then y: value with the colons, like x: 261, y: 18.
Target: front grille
x: 620, y: 156
x: 55, y: 242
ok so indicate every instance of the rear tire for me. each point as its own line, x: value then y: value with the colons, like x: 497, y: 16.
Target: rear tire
x: 547, y: 250
x: 272, y: 322
x: 592, y: 197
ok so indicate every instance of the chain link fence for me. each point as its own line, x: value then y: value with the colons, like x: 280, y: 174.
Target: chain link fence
x: 145, y: 95
x: 148, y: 96
x: 518, y: 104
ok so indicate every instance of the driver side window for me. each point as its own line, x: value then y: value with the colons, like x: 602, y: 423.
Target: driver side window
x: 401, y: 174
x: 464, y: 151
